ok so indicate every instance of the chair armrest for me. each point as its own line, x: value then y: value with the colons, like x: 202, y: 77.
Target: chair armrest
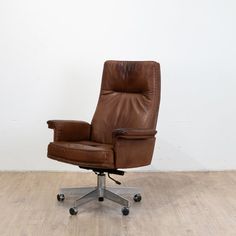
x: 133, y: 147
x: 129, y: 133
x: 70, y: 130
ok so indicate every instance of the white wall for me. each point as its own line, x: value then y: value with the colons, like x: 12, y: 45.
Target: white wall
x: 51, y: 58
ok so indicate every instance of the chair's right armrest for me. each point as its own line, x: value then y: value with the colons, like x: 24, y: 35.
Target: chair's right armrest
x: 70, y: 130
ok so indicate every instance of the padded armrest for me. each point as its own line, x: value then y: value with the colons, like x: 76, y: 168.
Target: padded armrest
x: 70, y: 130
x: 129, y: 133
x: 133, y: 147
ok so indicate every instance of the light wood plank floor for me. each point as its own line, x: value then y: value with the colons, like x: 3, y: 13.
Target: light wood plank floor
x: 174, y: 203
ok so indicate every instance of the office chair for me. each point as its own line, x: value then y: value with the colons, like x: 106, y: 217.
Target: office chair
x: 121, y: 134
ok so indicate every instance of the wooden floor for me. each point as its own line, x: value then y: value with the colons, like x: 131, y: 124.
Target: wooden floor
x: 174, y: 203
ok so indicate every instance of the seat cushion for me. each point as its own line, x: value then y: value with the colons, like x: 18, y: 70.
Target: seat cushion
x: 83, y: 153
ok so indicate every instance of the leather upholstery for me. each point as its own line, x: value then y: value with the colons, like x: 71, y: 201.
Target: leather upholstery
x: 87, y: 154
x: 129, y: 98
x: 133, y: 133
x: 122, y: 131
x: 69, y: 130
x: 133, y: 152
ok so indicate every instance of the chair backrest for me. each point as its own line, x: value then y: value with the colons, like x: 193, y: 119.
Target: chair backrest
x: 129, y: 98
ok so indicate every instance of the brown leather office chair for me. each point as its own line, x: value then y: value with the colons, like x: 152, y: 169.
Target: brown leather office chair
x: 121, y: 134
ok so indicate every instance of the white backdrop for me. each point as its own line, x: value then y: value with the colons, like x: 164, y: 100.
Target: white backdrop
x: 51, y: 59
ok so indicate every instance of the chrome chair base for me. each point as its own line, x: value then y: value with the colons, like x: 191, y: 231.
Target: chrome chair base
x: 100, y: 192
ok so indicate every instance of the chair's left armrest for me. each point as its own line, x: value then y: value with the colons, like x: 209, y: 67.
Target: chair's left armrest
x: 129, y: 133
x: 70, y: 130
x: 133, y: 147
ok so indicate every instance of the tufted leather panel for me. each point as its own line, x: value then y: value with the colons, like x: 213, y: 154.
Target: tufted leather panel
x: 129, y: 98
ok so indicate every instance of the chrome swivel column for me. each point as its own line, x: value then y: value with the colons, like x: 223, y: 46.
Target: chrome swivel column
x: 101, y: 185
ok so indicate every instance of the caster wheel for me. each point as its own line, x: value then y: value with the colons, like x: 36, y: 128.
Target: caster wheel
x: 137, y: 197
x: 125, y: 211
x: 60, y: 197
x: 100, y: 199
x: 73, y: 211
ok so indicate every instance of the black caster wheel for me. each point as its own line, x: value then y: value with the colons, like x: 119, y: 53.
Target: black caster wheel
x: 60, y: 197
x: 100, y: 199
x: 137, y: 197
x: 73, y: 211
x: 125, y: 211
